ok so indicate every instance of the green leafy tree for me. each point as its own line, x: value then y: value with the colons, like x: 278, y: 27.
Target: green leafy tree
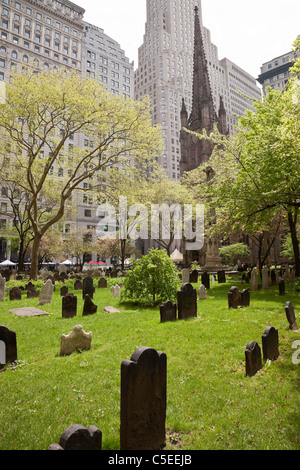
x: 232, y: 253
x: 152, y: 280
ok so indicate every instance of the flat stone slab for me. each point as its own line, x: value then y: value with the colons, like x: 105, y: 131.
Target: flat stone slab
x: 28, y: 312
x: 111, y: 310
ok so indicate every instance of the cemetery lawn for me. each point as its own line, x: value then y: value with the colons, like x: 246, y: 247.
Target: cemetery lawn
x: 211, y: 404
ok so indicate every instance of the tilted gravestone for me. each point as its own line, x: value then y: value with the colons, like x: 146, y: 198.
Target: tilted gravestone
x: 89, y: 307
x: 77, y: 284
x: 245, y: 298
x: 77, y: 437
x: 8, y: 346
x: 117, y: 291
x: 168, y: 312
x: 270, y: 344
x: 187, y: 302
x: 290, y: 315
x: 46, y: 292
x: 253, y: 358
x: 15, y: 293
x: 234, y: 297
x: 69, y: 306
x: 221, y: 276
x: 281, y: 287
x: 87, y: 287
x: 102, y: 283
x: 76, y: 339
x: 205, y: 280
x: 143, y: 400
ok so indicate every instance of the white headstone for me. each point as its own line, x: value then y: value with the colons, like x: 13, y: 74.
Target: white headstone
x: 202, y: 292
x: 62, y: 269
x: 46, y: 292
x: 117, y: 291
x: 77, y: 339
x: 185, y: 276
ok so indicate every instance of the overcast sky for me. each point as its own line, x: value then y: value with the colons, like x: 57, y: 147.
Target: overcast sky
x: 247, y: 32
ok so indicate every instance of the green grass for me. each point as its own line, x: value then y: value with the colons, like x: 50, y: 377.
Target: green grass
x: 211, y: 404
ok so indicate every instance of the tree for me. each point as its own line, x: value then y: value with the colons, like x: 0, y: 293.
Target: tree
x: 78, y: 244
x: 257, y: 172
x: 152, y: 280
x: 234, y: 252
x: 116, y: 248
x: 46, y: 121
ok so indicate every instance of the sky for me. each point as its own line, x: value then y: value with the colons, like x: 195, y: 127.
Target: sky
x: 247, y: 32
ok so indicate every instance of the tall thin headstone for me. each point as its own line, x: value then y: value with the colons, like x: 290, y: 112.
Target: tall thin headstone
x: 46, y: 292
x: 87, y: 287
x: 253, y: 358
x: 2, y: 288
x: 205, y: 280
x: 143, y: 400
x: 185, y: 276
x: 254, y: 281
x: 265, y: 278
x: 270, y: 344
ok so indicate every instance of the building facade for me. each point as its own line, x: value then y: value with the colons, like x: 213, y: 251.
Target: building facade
x: 275, y: 73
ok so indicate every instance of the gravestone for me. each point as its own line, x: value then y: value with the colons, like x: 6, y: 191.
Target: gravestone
x: 221, y: 276
x: 89, y: 307
x: 2, y: 288
x: 290, y: 315
x: 185, y: 276
x: 270, y: 344
x: 46, y: 292
x: 8, y: 346
x: 143, y: 400
x: 69, y: 306
x: 77, y: 284
x: 234, y: 297
x: 194, y: 276
x: 273, y: 277
x: 77, y: 339
x: 245, y: 298
x: 253, y: 358
x: 187, y: 302
x: 265, y: 277
x: 168, y: 312
x: 281, y: 287
x: 62, y: 269
x: 64, y: 290
x: 77, y: 437
x: 117, y: 291
x: 32, y: 293
x: 205, y: 280
x: 254, y: 281
x: 29, y: 286
x: 202, y: 295
x: 15, y: 293
x: 87, y: 287
x: 110, y: 309
x: 102, y: 283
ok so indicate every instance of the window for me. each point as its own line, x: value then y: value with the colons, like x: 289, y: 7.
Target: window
x: 87, y: 213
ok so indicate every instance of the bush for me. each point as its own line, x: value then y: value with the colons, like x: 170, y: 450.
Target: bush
x: 152, y: 280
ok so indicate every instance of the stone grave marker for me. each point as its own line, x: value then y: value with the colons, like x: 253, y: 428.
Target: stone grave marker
x: 102, y: 283
x: 281, y: 287
x: 234, y: 297
x: 32, y: 293
x: 89, y: 308
x: 245, y: 298
x: 253, y: 358
x: 205, y: 280
x: 76, y: 339
x: 15, y: 293
x: 143, y: 400
x: 87, y: 287
x: 2, y: 288
x: 254, y: 280
x: 62, y: 269
x: 46, y: 292
x: 77, y: 284
x: 290, y: 315
x: 168, y: 311
x: 265, y: 277
x: 8, y: 346
x: 64, y: 290
x: 202, y: 294
x: 117, y: 291
x: 110, y: 309
x: 270, y: 344
x: 194, y: 276
x: 77, y: 437
x: 69, y: 305
x: 273, y: 277
x: 187, y: 302
x: 28, y: 312
x: 221, y: 276
x: 185, y: 276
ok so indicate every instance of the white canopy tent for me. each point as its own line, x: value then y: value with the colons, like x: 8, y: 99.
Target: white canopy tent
x: 176, y: 256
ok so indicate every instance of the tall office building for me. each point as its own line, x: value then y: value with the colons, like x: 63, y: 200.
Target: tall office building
x: 165, y: 72
x: 275, y: 73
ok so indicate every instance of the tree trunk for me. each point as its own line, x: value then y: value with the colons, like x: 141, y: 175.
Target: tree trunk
x: 35, y: 257
x: 295, y: 242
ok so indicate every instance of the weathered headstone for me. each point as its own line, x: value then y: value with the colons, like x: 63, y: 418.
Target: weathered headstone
x: 77, y: 339
x: 117, y: 291
x: 8, y: 346
x: 253, y: 358
x: 110, y: 309
x: 87, y: 287
x: 62, y: 269
x: 290, y: 315
x: 234, y: 297
x: 187, y: 302
x: 2, y: 288
x: 29, y: 286
x: 69, y: 306
x: 254, y: 281
x: 221, y: 276
x: 32, y: 293
x: 64, y: 290
x: 168, y: 312
x: 205, y: 280
x: 143, y: 400
x: 77, y: 437
x: 202, y: 294
x: 270, y: 344
x: 265, y: 277
x: 102, y: 283
x: 89, y: 308
x: 245, y: 298
x: 15, y: 293
x: 194, y: 276
x: 77, y: 284
x: 281, y: 287
x: 185, y: 276
x: 46, y: 292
